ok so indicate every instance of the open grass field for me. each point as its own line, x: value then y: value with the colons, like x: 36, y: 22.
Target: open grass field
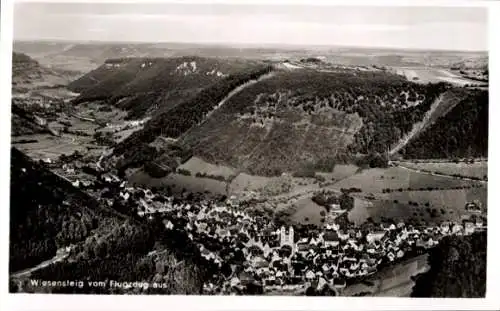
x: 432, y: 75
x: 246, y: 182
x: 475, y: 170
x: 376, y: 179
x: 197, y: 165
x: 179, y: 182
x: 340, y: 171
x: 307, y: 212
x: 48, y: 146
x: 427, y: 206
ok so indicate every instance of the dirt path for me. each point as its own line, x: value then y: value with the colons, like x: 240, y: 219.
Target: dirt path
x: 418, y: 127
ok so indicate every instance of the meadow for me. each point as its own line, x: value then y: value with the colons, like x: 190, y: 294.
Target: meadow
x: 417, y: 206
x: 375, y: 180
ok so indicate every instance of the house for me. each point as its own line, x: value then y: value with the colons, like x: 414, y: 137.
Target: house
x: 473, y: 206
x: 445, y: 227
x: 331, y: 238
x: 457, y: 228
x: 391, y: 256
x: 310, y: 275
x: 400, y: 254
x: 469, y: 228
x: 372, y: 237
x: 235, y: 281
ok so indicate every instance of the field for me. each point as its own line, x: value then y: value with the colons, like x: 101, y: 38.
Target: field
x: 477, y: 169
x: 178, y: 182
x: 432, y: 75
x: 307, y: 212
x: 52, y: 147
x: 375, y: 180
x: 427, y: 206
x: 245, y: 182
x: 197, y: 165
x: 341, y: 171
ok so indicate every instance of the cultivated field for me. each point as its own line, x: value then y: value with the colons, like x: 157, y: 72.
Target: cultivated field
x: 197, y: 165
x: 307, y: 212
x: 48, y: 146
x: 432, y: 75
x: 179, y: 182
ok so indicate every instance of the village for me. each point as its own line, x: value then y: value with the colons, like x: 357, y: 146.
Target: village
x: 254, y: 252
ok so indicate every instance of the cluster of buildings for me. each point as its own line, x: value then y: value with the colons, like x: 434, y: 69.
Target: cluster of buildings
x: 259, y: 253
x: 253, y: 251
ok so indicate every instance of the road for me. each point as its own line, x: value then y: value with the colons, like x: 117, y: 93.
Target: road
x: 27, y: 272
x: 417, y: 127
x: 438, y: 174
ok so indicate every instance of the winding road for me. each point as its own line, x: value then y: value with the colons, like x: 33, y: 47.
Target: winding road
x: 57, y: 258
x: 438, y: 174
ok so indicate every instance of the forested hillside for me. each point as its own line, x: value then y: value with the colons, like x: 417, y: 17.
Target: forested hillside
x: 179, y: 119
x: 458, y: 269
x: 307, y: 118
x: 462, y: 132
x: 46, y: 213
x: 141, y: 84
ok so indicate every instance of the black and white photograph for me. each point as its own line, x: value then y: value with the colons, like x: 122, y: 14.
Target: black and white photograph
x: 249, y: 149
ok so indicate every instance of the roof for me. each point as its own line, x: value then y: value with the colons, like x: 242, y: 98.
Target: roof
x: 331, y: 236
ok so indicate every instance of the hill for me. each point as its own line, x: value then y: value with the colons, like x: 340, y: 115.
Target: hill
x: 462, y: 132
x: 48, y: 215
x: 68, y: 215
x: 27, y: 73
x: 457, y: 269
x: 141, y: 84
x: 309, y: 117
x: 295, y: 120
x: 24, y: 122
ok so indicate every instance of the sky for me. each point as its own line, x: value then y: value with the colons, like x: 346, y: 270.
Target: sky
x: 441, y: 28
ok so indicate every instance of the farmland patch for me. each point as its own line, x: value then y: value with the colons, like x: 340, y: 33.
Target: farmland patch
x: 308, y: 212
x: 197, y: 165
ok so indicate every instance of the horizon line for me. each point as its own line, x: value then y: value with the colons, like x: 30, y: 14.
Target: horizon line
x: 249, y: 45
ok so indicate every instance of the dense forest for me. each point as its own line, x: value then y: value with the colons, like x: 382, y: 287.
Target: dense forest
x: 130, y: 252
x: 463, y: 132
x: 46, y: 213
x: 271, y: 126
x: 457, y: 269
